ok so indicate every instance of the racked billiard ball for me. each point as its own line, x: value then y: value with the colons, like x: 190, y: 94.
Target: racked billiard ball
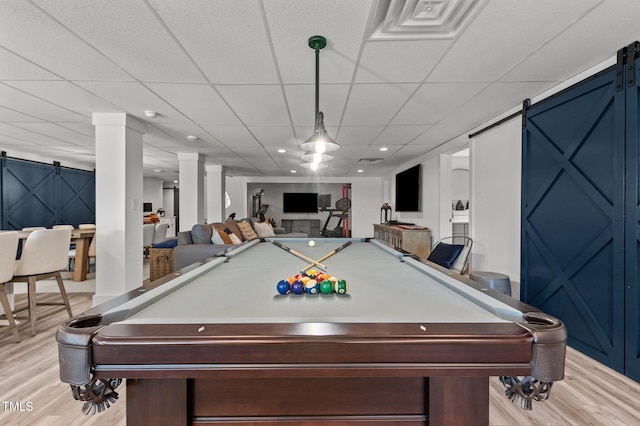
x: 312, y: 287
x: 326, y: 287
x: 297, y: 287
x: 341, y: 287
x: 283, y: 287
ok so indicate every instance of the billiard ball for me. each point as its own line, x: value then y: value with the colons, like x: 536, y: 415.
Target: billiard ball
x: 312, y: 287
x: 283, y: 287
x: 312, y: 243
x: 297, y: 287
x: 341, y: 287
x: 326, y: 287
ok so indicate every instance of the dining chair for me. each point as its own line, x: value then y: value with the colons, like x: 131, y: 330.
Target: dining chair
x: 33, y: 228
x: 148, y: 230
x: 62, y: 227
x: 43, y: 256
x: 87, y: 226
x: 160, y: 233
x: 8, y: 248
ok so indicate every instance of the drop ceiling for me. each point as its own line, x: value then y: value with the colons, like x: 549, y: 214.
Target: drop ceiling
x: 406, y: 75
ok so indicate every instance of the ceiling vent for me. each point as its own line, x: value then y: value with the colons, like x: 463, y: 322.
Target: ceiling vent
x: 422, y: 19
x: 369, y: 160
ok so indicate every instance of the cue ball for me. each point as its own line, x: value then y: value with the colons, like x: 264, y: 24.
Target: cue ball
x: 312, y: 243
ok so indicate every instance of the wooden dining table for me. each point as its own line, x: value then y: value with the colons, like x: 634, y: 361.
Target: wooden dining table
x: 82, y: 239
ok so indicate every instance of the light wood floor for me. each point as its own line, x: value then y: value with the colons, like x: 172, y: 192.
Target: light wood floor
x: 591, y: 394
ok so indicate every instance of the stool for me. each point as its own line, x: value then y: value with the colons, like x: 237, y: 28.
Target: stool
x: 493, y: 280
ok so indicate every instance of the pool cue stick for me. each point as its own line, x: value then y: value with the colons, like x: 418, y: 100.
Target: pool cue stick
x: 297, y: 254
x: 328, y: 255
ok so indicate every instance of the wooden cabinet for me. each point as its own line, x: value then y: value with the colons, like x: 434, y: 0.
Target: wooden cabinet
x: 415, y: 241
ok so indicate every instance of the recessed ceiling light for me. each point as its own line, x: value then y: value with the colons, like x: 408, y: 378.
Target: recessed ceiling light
x: 192, y: 138
x: 157, y: 170
x: 360, y: 170
x: 150, y: 114
x: 384, y: 148
x: 175, y: 181
x: 282, y: 151
x: 294, y: 171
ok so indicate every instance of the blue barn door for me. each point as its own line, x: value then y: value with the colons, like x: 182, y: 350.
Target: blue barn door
x: 28, y: 194
x: 76, y: 196
x: 632, y: 223
x: 573, y: 214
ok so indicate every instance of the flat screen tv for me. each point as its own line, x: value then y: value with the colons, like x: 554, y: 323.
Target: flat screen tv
x: 300, y: 202
x: 408, y: 194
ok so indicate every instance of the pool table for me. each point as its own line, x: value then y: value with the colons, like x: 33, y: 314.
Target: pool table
x: 215, y: 343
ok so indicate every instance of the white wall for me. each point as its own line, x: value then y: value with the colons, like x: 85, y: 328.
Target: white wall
x: 366, y: 198
x: 494, y: 209
x: 152, y: 193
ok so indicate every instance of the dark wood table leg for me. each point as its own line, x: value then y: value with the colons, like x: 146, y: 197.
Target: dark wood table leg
x: 81, y: 263
x: 458, y: 401
x: 157, y: 402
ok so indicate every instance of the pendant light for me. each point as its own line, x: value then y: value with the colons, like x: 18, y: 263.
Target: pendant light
x: 320, y: 142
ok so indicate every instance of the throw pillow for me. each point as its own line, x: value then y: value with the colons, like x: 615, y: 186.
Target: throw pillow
x: 225, y: 237
x: 263, y: 229
x: 247, y: 231
x: 232, y: 225
x: 445, y: 254
x: 216, y: 238
x: 201, y: 234
x: 234, y: 239
x: 170, y: 243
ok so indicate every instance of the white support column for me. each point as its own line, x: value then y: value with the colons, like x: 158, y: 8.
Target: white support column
x: 118, y: 204
x: 191, y: 167
x: 216, y: 175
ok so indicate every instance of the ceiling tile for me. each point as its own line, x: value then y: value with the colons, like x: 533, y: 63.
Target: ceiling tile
x: 41, y: 40
x: 492, y: 101
x: 342, y: 23
x: 10, y: 116
x: 152, y: 53
x: 233, y: 30
x: 19, y: 101
x: 200, y: 102
x: 410, y: 61
x: 270, y: 136
x: 595, y: 31
x: 434, y: 101
x: 66, y: 95
x: 13, y: 67
x: 58, y: 132
x: 134, y: 99
x: 30, y: 136
x: 388, y: 99
x: 517, y: 27
x: 302, y: 102
x: 257, y: 105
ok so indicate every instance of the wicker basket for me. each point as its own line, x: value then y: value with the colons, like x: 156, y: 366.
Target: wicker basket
x: 161, y: 262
